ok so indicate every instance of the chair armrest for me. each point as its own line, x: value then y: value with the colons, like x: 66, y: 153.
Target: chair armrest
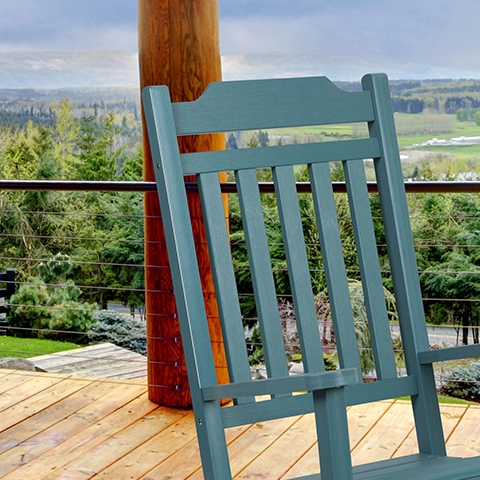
x: 453, y: 353
x: 293, y: 383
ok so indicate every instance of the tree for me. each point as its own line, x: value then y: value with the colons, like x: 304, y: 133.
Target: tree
x: 96, y: 157
x: 476, y: 118
x: 451, y: 261
x: 48, y: 306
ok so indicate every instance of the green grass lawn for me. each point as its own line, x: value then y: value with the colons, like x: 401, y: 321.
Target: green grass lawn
x: 31, y: 347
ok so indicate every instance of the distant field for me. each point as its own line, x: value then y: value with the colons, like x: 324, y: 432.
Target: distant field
x: 412, y: 131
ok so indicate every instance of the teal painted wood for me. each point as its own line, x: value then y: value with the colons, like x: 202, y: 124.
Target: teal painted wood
x: 224, y: 279
x: 301, y: 404
x: 370, y: 270
x: 404, y: 267
x: 186, y: 279
x: 226, y: 160
x: 332, y: 433
x: 298, y: 269
x: 288, y: 384
x: 334, y: 265
x: 446, y: 354
x: 293, y: 102
x: 418, y: 467
x: 232, y: 106
x: 261, y: 273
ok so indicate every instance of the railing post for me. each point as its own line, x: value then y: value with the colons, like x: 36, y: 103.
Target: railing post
x: 178, y: 47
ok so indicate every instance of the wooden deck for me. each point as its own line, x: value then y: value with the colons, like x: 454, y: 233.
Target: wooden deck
x: 57, y: 426
x: 104, y: 360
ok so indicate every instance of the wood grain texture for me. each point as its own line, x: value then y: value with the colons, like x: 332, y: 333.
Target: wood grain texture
x: 80, y: 428
x: 178, y: 47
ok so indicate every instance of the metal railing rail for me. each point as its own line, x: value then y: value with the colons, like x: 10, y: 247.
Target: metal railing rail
x: 227, y: 187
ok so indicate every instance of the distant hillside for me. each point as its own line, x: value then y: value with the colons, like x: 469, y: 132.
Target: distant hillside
x: 72, y: 69
x: 337, y: 66
x: 66, y: 69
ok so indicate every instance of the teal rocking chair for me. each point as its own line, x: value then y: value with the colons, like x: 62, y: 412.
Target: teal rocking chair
x: 284, y: 103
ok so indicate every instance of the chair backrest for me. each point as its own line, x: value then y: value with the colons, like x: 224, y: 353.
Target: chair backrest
x: 285, y: 103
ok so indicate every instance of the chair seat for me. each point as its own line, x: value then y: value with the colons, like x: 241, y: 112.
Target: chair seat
x: 416, y: 467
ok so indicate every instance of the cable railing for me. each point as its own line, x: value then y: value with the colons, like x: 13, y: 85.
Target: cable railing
x: 115, y: 285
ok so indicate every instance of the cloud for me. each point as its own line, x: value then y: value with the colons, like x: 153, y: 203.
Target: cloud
x: 68, y: 24
x: 439, y: 32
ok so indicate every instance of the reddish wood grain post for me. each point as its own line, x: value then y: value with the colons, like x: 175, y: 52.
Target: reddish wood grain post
x: 178, y: 47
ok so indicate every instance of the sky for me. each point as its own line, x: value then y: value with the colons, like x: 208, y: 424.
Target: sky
x: 437, y: 32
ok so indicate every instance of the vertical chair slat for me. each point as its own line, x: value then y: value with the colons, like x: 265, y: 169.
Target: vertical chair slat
x: 261, y: 271
x: 332, y: 254
x: 298, y: 270
x: 370, y: 270
x: 224, y: 278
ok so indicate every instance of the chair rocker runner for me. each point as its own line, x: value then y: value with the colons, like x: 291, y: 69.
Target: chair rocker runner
x: 264, y: 105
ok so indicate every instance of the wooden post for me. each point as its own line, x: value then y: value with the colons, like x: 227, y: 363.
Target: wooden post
x: 178, y: 47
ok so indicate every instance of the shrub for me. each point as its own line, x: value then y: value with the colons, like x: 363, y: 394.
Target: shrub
x: 360, y: 318
x: 288, y: 320
x: 120, y: 329
x: 48, y: 306
x: 463, y: 382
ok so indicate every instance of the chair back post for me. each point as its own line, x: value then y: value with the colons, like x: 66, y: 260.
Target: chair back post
x: 404, y: 266
x: 181, y: 252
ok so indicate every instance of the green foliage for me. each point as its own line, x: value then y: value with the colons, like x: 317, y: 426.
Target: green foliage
x: 48, y: 306
x: 463, y: 382
x: 476, y: 118
x: 97, y: 157
x: 360, y: 319
x: 466, y: 114
x: 447, y: 233
x: 91, y: 228
x: 120, y: 329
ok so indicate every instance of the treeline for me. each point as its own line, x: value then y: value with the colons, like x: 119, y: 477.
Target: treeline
x: 416, y: 97
x: 19, y: 107
x: 101, y: 233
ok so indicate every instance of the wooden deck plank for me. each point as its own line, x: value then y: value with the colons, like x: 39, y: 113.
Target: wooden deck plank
x: 150, y: 453
x: 104, y: 368
x: 292, y: 445
x: 361, y: 419
x: 186, y: 462
x: 451, y: 416
x: 93, y: 461
x: 255, y: 440
x: 385, y: 437
x: 37, y: 402
x: 465, y: 440
x: 182, y: 464
x: 97, y: 401
x: 68, y: 427
x: 86, y: 440
x: 22, y: 442
x: 27, y: 386
x: 104, y: 360
x: 9, y: 381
